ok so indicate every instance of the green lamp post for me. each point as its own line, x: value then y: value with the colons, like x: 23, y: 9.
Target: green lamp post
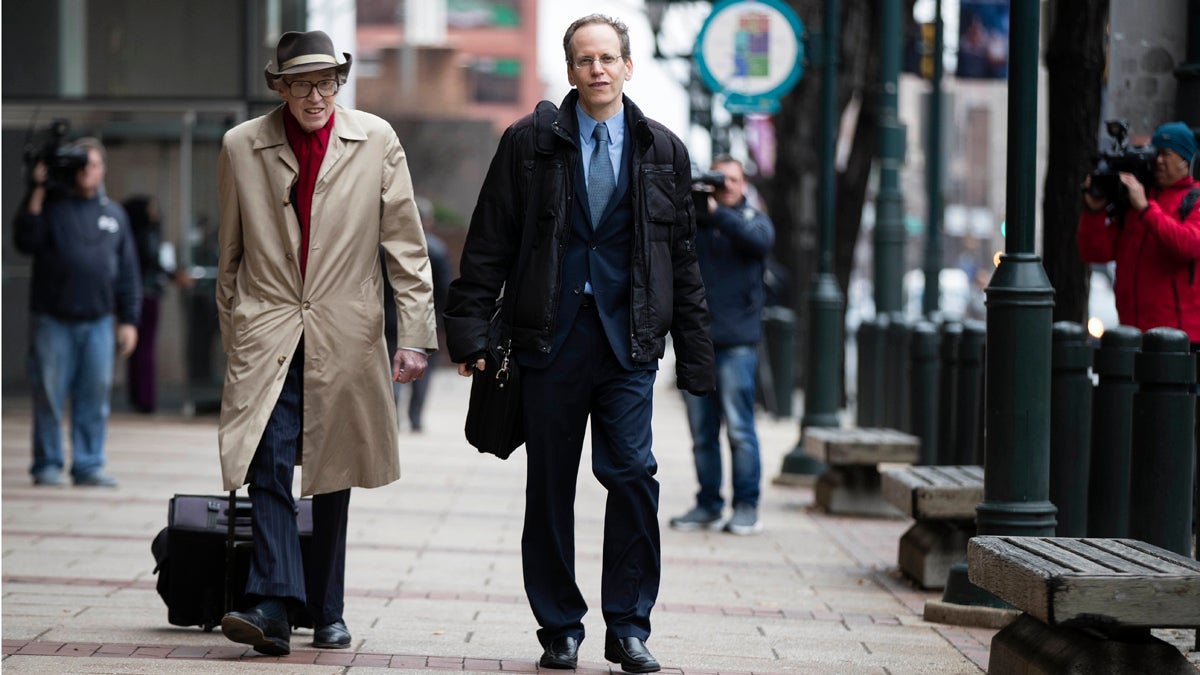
x: 825, y: 302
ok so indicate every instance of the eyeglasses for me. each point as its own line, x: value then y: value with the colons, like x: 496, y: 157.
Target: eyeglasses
x: 302, y: 88
x: 586, y: 63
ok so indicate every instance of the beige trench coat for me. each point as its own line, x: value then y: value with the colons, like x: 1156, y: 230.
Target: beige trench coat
x: 363, y: 197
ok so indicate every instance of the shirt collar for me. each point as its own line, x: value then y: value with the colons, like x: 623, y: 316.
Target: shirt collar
x: 616, y: 125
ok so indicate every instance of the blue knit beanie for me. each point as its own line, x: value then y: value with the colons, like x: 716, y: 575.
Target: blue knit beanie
x: 1176, y: 136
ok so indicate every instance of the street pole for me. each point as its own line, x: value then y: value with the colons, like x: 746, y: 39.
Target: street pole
x: 1020, y: 302
x: 1187, y: 95
x: 889, y: 226
x: 933, y: 234
x: 825, y: 338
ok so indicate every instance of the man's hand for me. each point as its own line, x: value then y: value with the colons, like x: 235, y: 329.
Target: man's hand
x: 1137, y: 192
x: 37, y: 177
x: 408, y: 366
x: 127, y: 337
x: 1089, y: 200
x: 468, y: 369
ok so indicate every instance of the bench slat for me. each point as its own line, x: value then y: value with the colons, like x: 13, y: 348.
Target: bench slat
x: 935, y: 492
x: 1154, y: 557
x: 1114, y: 582
x: 1117, y: 555
x: 1068, y: 562
x: 860, y: 446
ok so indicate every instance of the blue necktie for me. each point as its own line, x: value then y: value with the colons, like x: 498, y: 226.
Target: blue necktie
x: 600, y: 174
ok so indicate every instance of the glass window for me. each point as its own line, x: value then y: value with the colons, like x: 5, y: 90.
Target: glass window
x: 495, y: 80
x: 132, y: 48
x: 482, y: 13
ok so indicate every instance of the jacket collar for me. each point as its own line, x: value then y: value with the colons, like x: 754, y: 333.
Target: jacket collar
x: 563, y: 125
x: 272, y: 136
x: 271, y: 132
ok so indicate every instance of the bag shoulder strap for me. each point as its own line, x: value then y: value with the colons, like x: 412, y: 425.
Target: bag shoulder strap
x: 544, y: 116
x: 1189, y: 201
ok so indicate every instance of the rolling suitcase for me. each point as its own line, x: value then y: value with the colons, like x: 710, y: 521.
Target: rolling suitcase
x: 203, y: 557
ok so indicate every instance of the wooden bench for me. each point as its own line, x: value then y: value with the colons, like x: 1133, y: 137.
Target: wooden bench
x: 942, y: 500
x: 1088, y: 604
x: 851, y: 485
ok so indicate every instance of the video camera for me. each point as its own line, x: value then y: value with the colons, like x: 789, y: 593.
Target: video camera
x: 62, y: 161
x: 1137, y: 160
x: 704, y: 184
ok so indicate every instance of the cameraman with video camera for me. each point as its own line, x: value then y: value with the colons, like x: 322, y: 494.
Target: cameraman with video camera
x: 85, y: 270
x: 732, y: 243
x: 1155, y: 240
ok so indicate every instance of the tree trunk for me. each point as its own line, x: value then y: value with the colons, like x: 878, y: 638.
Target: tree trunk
x: 860, y: 61
x: 791, y: 196
x: 1075, y: 60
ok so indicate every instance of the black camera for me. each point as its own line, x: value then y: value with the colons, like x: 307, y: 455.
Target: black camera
x: 1137, y: 160
x: 704, y: 184
x: 62, y: 161
x: 707, y: 181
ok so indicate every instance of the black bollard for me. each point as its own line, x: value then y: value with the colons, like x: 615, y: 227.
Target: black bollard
x: 896, y: 376
x: 869, y: 395
x: 968, y: 436
x: 923, y: 385
x: 1070, y: 426
x: 1161, y: 464
x: 947, y: 394
x: 1112, y: 424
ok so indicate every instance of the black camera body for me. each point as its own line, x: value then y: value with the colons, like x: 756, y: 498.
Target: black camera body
x: 1137, y: 160
x: 62, y: 161
x: 715, y: 180
x: 704, y: 184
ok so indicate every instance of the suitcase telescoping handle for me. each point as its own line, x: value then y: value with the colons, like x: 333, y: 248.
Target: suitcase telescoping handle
x: 231, y: 525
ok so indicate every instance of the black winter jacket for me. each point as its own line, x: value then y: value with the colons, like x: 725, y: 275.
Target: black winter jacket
x: 522, y: 221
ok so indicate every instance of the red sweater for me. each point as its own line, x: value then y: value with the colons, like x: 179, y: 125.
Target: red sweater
x: 1156, y: 257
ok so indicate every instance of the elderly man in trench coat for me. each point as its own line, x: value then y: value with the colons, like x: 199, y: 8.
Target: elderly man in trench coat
x: 308, y: 193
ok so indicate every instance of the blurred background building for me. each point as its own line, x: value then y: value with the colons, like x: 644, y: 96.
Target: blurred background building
x: 160, y: 83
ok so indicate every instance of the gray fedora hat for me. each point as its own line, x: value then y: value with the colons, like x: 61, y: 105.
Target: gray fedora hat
x: 304, y: 52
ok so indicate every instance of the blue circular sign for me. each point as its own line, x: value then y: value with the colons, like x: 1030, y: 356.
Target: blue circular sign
x: 750, y: 51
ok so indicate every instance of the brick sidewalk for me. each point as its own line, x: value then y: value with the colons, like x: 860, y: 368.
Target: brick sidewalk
x: 434, y: 576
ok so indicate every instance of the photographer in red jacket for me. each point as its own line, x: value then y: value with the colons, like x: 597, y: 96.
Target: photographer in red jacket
x: 1155, y: 241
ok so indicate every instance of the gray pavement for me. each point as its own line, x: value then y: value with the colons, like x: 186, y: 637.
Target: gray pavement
x: 434, y: 573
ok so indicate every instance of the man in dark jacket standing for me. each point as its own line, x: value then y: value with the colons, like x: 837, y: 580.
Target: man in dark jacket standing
x: 733, y: 240
x: 85, y: 270
x: 586, y: 221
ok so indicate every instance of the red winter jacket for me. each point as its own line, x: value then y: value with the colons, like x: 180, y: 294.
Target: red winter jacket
x: 1156, y: 258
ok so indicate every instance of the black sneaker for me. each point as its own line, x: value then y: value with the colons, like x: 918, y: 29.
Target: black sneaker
x: 699, y: 518
x: 50, y: 477
x: 96, y: 479
x: 744, y: 520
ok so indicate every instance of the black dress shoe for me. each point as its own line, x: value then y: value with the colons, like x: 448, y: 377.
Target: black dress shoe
x: 632, y: 654
x: 267, y: 636
x: 561, y: 653
x: 332, y: 636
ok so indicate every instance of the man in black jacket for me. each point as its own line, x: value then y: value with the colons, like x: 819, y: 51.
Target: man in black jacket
x: 586, y: 221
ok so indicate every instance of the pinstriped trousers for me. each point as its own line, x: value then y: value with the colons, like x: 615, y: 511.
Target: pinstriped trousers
x: 277, y: 568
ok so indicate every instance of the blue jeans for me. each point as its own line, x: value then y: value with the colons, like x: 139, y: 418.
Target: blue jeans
x: 75, y: 359
x: 733, y: 404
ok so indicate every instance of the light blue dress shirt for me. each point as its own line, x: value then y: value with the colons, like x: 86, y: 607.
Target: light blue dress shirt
x: 587, y: 144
